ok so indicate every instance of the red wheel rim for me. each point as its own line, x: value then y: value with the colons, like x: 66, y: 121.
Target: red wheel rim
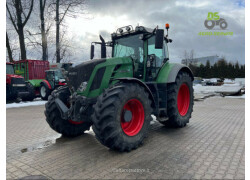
x: 71, y: 121
x: 134, y: 126
x: 75, y: 122
x: 183, y: 99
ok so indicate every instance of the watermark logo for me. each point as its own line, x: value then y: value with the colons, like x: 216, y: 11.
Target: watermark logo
x: 214, y: 20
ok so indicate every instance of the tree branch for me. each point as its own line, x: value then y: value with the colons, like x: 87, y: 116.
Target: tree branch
x: 44, y: 3
x: 11, y: 19
x: 31, y: 8
x: 65, y: 12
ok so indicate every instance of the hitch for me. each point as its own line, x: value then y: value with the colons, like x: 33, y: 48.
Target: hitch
x: 62, y: 108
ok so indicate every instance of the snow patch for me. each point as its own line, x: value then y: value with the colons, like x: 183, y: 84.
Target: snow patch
x: 236, y: 97
x: 25, y: 104
x: 154, y: 120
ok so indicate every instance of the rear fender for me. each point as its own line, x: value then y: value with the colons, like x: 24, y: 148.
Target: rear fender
x: 46, y: 83
x: 169, y: 71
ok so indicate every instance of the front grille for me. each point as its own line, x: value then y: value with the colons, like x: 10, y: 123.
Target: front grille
x: 82, y: 72
x: 17, y: 81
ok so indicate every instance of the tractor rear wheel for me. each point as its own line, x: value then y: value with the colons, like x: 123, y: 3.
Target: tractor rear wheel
x: 122, y: 116
x: 180, y: 101
x: 67, y: 128
x: 44, y: 92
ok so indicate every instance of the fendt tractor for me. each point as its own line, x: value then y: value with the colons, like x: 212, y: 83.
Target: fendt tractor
x: 15, y: 85
x: 53, y: 79
x: 118, y: 95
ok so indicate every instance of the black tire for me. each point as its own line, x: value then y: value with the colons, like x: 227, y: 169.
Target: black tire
x: 223, y: 25
x: 53, y: 116
x: 11, y: 96
x: 174, y: 114
x: 209, y: 26
x: 44, y: 95
x: 31, y: 96
x: 108, y: 110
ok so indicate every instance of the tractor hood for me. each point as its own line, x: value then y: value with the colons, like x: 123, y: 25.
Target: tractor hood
x: 82, y: 72
x: 13, y: 76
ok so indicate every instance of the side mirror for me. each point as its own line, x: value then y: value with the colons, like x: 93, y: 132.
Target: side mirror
x: 103, y: 48
x: 159, y: 36
x: 92, y: 50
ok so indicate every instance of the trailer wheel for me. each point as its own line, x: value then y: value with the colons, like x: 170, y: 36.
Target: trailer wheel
x: 44, y: 92
x: 180, y: 101
x: 122, y: 116
x: 67, y: 128
x: 31, y: 95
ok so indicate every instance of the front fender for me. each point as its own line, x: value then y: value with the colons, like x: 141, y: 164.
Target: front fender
x: 135, y: 80
x: 46, y: 83
x: 169, y: 71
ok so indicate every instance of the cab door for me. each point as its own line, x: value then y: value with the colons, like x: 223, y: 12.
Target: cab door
x: 155, y: 58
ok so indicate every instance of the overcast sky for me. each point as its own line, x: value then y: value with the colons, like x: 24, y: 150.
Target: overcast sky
x: 186, y: 19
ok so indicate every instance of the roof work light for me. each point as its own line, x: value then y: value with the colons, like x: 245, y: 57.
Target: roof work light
x: 167, y: 26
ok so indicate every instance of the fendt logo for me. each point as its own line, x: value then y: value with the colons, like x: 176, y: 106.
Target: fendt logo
x: 213, y: 19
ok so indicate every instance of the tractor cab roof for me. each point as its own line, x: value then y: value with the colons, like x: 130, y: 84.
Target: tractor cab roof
x: 128, y: 31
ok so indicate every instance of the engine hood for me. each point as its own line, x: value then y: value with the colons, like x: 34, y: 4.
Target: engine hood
x: 82, y: 72
x: 13, y: 76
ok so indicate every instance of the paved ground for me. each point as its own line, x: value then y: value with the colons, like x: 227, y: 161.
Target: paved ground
x: 212, y: 146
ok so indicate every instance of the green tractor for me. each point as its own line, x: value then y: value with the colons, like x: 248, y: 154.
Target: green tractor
x: 118, y: 95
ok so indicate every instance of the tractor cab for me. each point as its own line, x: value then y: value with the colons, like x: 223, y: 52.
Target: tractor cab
x: 55, y: 78
x: 147, y: 48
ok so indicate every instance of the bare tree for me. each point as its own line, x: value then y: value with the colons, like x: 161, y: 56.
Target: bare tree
x: 186, y: 57
x: 9, y: 48
x: 19, y: 13
x: 64, y: 8
x: 189, y: 57
x: 43, y: 31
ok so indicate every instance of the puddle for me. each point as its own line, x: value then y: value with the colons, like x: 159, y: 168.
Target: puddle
x: 44, y: 145
x: 54, y: 140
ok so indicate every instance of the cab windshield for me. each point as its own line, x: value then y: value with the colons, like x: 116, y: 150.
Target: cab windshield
x: 9, y: 69
x: 129, y: 46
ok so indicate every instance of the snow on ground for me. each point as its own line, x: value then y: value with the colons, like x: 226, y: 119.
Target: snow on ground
x: 154, y: 120
x: 225, y: 88
x: 36, y: 102
x: 236, y: 97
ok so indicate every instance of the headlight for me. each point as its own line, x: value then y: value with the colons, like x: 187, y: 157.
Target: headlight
x: 83, y: 86
x: 18, y: 85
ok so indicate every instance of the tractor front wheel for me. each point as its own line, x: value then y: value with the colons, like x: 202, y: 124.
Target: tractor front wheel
x: 44, y: 92
x: 67, y: 128
x: 180, y: 101
x: 122, y: 116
